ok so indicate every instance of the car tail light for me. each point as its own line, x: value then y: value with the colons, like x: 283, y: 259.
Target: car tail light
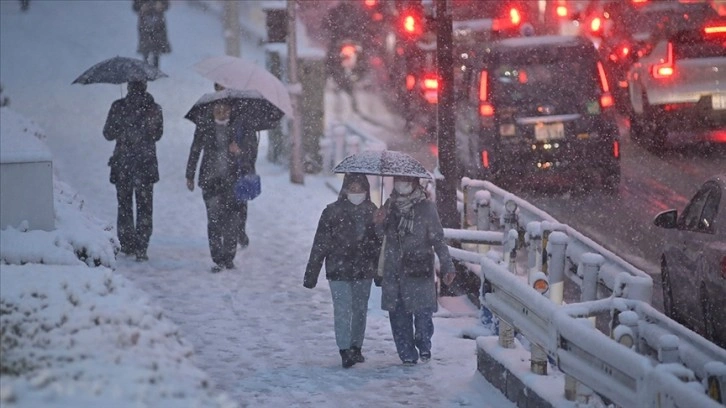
x: 562, y: 11
x: 515, y: 17
x: 485, y: 108
x: 412, y: 23
x: 595, y: 25
x: 485, y: 159
x: 370, y: 3
x: 606, y: 99
x: 410, y: 81
x: 430, y: 85
x: 616, y: 149
x: 723, y: 267
x: 347, y: 50
x: 666, y: 68
x: 715, y: 30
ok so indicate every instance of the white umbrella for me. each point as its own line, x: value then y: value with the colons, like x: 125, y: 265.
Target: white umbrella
x: 236, y: 73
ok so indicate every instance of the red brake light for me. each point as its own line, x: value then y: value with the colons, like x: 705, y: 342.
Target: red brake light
x: 595, y: 24
x: 430, y: 85
x: 715, y: 29
x: 606, y: 99
x: 562, y: 11
x: 370, y: 3
x: 515, y: 16
x: 616, y: 149
x: 485, y: 159
x: 347, y: 50
x: 410, y: 81
x: 485, y: 108
x: 665, y: 69
x: 412, y: 24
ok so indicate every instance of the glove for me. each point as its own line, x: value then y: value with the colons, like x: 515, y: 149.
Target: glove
x: 309, y: 283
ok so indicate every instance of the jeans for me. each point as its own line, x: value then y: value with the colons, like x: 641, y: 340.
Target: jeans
x: 411, y: 331
x: 134, y: 236
x: 350, y: 310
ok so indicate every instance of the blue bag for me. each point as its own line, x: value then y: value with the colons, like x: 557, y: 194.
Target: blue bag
x: 247, y: 187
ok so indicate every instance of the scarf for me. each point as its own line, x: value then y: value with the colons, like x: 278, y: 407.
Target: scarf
x: 404, y: 205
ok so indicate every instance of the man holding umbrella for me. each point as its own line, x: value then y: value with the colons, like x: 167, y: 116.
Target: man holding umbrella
x: 136, y: 123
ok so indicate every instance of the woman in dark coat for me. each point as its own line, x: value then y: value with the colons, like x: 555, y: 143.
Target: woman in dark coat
x: 136, y: 123
x: 153, y: 40
x: 410, y: 224
x: 218, y: 172
x: 346, y: 241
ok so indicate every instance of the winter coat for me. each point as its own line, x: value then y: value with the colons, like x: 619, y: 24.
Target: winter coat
x: 346, y: 240
x: 152, y: 27
x: 408, y: 265
x: 247, y: 141
x: 136, y: 123
x: 205, y: 140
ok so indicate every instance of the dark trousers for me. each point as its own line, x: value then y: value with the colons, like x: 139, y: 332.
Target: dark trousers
x: 242, y: 219
x: 134, y: 236
x: 411, y: 331
x: 222, y: 224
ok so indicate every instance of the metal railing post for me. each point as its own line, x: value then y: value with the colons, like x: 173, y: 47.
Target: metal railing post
x: 590, y: 263
x: 556, y: 252
x: 668, y: 349
x: 534, y: 249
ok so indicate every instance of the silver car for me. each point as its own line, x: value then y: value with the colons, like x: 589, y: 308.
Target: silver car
x: 678, y: 89
x: 693, y: 264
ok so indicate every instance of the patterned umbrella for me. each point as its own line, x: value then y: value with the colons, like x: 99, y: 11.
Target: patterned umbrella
x: 119, y: 70
x: 383, y: 163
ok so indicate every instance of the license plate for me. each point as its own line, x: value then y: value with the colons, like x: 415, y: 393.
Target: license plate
x: 549, y: 131
x: 718, y: 101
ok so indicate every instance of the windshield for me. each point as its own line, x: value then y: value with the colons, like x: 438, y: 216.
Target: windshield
x: 565, y: 78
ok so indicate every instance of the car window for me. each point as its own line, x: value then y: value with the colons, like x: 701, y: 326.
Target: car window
x: 528, y: 77
x: 700, y: 213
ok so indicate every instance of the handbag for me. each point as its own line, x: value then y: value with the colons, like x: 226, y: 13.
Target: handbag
x: 247, y: 187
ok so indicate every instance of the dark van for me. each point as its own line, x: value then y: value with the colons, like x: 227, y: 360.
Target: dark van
x: 539, y: 107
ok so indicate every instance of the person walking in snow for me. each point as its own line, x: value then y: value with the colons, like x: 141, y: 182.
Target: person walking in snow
x: 153, y: 40
x: 136, y: 123
x: 346, y: 241
x: 410, y: 225
x: 217, y: 174
x: 246, y: 138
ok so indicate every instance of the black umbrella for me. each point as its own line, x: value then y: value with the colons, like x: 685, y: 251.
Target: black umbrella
x: 257, y: 112
x: 119, y: 70
x: 382, y: 163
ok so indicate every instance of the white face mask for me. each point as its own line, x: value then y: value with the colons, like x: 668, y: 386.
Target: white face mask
x: 403, y: 187
x: 221, y: 122
x: 356, y: 198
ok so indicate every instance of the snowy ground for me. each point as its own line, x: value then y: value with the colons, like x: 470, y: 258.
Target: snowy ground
x: 167, y: 332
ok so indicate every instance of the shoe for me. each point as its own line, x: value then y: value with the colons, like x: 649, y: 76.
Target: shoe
x: 357, y: 355
x: 425, y: 356
x: 216, y: 268
x: 409, y: 363
x: 244, y: 240
x: 229, y: 265
x: 347, y: 358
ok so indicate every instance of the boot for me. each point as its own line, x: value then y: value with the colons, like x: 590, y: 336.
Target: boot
x: 347, y: 357
x: 357, y: 355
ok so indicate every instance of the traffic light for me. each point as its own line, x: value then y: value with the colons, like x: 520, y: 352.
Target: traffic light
x: 412, y: 23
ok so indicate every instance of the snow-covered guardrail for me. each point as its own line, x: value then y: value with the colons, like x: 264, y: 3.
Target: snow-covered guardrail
x: 646, y: 359
x: 344, y: 139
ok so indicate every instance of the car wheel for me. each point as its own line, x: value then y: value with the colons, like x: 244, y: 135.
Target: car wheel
x: 707, y: 308
x: 668, y: 308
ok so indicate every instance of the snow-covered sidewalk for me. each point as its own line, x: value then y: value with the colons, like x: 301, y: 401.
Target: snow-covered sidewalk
x: 263, y: 339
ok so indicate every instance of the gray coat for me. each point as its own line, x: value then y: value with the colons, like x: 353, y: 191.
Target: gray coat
x: 408, y: 264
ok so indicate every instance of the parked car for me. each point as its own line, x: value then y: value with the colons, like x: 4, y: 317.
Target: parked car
x: 693, y: 264
x: 680, y: 85
x: 540, y: 107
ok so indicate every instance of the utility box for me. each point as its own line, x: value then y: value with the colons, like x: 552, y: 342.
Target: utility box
x: 26, y: 175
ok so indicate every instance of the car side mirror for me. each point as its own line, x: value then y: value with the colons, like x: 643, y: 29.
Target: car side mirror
x: 666, y: 219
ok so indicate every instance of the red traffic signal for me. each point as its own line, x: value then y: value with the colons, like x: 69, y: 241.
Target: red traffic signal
x: 412, y: 23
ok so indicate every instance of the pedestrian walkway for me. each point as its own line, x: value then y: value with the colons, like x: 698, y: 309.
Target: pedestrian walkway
x: 264, y: 339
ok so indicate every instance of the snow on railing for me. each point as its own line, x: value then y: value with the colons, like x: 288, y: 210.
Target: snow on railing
x: 645, y: 360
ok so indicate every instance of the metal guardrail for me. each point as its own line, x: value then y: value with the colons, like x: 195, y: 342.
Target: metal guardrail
x: 647, y: 360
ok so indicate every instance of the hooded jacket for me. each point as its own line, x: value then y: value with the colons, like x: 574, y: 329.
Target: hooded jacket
x: 345, y: 239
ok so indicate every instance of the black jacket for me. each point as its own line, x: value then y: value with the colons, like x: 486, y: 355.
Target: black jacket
x: 346, y: 240
x: 205, y: 140
x: 152, y: 27
x: 136, y: 123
